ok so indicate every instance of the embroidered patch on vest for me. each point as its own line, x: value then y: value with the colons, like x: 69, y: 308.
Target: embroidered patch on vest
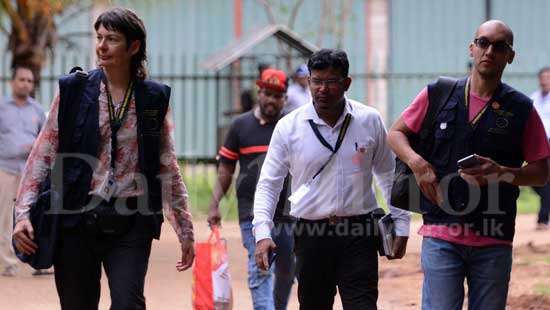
x: 502, y: 122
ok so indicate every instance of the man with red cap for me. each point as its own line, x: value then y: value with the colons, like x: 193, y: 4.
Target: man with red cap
x: 247, y: 142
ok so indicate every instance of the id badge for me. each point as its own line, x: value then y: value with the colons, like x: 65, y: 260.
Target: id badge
x: 108, y: 187
x: 299, y: 194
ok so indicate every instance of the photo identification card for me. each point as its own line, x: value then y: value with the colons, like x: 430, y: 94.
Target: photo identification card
x: 299, y: 194
x: 107, y: 187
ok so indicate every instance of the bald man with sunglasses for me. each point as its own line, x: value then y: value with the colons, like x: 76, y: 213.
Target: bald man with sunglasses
x: 469, y: 211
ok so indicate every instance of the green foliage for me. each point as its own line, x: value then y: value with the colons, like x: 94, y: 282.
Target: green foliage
x: 200, y: 183
x: 542, y: 289
x: 528, y: 201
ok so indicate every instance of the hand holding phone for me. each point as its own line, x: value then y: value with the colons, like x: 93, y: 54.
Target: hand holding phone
x: 468, y: 162
x: 271, y: 257
x: 265, y: 253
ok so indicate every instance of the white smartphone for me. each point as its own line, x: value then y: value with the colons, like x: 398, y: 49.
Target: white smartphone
x: 468, y: 162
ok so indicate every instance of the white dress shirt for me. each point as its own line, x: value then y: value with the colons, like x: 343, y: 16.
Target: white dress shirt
x: 344, y: 188
x: 542, y: 105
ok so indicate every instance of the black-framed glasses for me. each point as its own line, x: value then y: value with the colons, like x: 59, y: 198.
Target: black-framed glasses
x: 330, y: 83
x: 500, y: 46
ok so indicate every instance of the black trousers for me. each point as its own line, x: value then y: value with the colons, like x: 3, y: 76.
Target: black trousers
x: 78, y: 262
x: 336, y: 255
x: 544, y: 211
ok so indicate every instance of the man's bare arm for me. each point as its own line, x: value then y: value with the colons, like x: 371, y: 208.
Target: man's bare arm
x: 533, y: 174
x: 223, y: 182
x: 398, y: 139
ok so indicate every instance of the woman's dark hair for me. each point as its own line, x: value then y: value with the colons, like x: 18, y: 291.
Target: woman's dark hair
x: 326, y: 57
x: 131, y: 26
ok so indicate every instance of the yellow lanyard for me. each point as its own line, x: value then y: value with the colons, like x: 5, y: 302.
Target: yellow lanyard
x: 476, y: 119
x: 114, y: 117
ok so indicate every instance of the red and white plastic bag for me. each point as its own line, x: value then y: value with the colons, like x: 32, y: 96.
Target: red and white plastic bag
x: 211, y: 278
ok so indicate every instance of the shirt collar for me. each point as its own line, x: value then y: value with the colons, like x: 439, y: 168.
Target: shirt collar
x: 11, y: 100
x: 543, y: 96
x: 310, y: 113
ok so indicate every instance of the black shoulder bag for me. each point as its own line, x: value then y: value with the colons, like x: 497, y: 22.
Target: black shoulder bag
x: 405, y: 193
x: 44, y: 221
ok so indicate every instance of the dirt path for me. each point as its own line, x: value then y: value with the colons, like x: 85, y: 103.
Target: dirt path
x: 168, y: 289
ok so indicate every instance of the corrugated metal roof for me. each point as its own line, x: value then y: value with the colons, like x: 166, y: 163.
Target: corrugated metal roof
x: 240, y: 47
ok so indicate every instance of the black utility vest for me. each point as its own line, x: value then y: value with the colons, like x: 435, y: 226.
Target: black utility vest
x: 79, y: 138
x: 490, y: 210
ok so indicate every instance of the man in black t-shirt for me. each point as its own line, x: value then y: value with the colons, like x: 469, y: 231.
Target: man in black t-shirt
x: 247, y: 142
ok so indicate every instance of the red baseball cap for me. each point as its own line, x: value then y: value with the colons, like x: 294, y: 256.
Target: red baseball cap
x: 273, y: 79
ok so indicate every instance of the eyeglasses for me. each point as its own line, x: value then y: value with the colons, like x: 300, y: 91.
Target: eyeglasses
x: 498, y: 46
x: 330, y: 83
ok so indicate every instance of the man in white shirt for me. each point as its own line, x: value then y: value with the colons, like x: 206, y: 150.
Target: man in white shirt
x: 298, y: 92
x: 331, y: 146
x: 541, y: 102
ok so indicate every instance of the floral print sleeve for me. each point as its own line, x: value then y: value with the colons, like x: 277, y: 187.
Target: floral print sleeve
x: 174, y: 194
x: 39, y: 162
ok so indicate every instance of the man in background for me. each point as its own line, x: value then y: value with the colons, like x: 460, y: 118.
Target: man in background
x: 541, y: 102
x: 298, y: 92
x: 21, y: 118
x: 249, y: 96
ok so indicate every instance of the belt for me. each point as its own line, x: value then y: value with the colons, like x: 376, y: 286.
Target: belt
x: 333, y: 219
x: 131, y: 202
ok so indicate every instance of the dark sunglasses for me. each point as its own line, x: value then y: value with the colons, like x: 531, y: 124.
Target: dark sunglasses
x: 498, y: 46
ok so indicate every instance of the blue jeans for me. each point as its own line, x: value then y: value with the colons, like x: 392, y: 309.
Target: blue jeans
x: 285, y: 263
x: 260, y: 283
x: 544, y: 211
x: 446, y: 265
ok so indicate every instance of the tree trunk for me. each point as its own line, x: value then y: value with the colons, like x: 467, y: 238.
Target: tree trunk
x: 33, y: 32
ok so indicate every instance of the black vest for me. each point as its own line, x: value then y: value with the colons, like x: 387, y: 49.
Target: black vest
x: 490, y: 210
x: 79, y: 138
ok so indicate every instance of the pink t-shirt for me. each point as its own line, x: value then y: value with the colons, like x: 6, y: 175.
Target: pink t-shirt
x: 535, y: 146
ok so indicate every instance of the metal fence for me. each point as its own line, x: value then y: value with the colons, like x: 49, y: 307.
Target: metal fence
x: 202, y: 102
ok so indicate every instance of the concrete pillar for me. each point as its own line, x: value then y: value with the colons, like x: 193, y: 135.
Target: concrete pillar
x: 377, y: 48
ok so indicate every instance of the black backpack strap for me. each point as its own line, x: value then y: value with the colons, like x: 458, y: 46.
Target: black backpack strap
x: 71, y: 89
x: 152, y: 100
x: 438, y: 94
x: 76, y: 69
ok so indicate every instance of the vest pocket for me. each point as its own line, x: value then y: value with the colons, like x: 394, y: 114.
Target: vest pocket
x: 444, y: 132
